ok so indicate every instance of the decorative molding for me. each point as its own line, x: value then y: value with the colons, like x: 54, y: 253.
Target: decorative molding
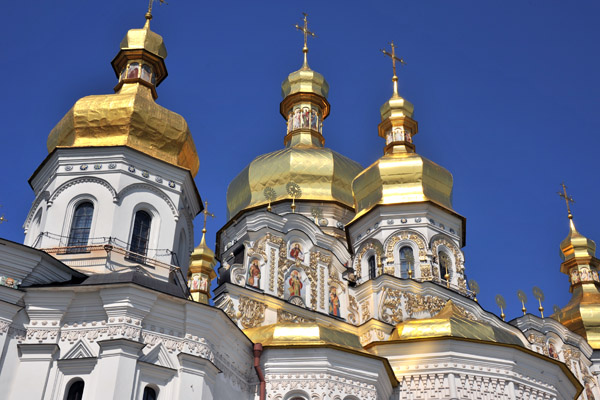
x: 286, y: 316
x: 410, y: 235
x: 318, y: 386
x: 377, y: 248
x: 45, y: 195
x: 83, y: 179
x: 252, y: 312
x: 150, y: 188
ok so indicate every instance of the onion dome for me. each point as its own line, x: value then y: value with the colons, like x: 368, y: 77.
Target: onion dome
x: 451, y: 322
x: 202, y: 266
x: 582, y: 314
x: 321, y: 174
x: 401, y: 175
x: 130, y: 117
x: 303, y: 334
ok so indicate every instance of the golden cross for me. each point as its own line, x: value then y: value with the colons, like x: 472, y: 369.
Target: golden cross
x: 2, y: 219
x: 568, y: 199
x: 392, y: 55
x: 206, y: 215
x: 150, y: 3
x: 306, y: 32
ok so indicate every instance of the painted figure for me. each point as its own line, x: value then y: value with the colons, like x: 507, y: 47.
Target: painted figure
x: 146, y: 72
x: 134, y: 71
x: 574, y: 277
x: 585, y: 275
x: 297, y: 118
x: 296, y: 252
x: 295, y: 284
x: 290, y: 121
x: 254, y: 274
x: 305, y: 114
x: 595, y: 275
x: 314, y: 120
x: 552, y: 351
x: 334, y: 302
x: 194, y: 283
x: 203, y: 283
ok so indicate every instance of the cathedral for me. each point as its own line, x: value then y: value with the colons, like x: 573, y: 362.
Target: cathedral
x: 329, y: 281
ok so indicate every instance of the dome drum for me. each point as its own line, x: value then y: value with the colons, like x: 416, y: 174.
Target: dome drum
x: 304, y: 97
x: 398, y: 130
x: 123, y: 65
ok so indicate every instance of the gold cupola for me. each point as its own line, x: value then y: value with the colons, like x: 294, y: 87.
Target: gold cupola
x: 130, y: 117
x: 201, y: 271
x: 317, y: 173
x: 582, y: 314
x: 401, y: 175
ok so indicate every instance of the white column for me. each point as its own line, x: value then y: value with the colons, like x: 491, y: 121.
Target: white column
x: 197, y: 377
x: 117, y: 368
x: 32, y: 374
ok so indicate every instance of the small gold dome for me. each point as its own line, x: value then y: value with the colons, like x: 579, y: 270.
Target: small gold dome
x: 144, y: 39
x: 302, y: 334
x: 305, y: 80
x: 321, y: 173
x: 576, y: 245
x: 450, y: 322
x: 129, y: 118
x: 399, y: 178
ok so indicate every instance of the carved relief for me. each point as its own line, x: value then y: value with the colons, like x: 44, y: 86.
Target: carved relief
x: 368, y: 246
x: 272, y: 271
x: 286, y: 316
x: 458, y: 256
x: 252, y: 312
x: 405, y: 235
x: 352, y: 310
x: 319, y: 386
x: 365, y: 310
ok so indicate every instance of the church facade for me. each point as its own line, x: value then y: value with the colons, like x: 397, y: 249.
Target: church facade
x: 336, y: 282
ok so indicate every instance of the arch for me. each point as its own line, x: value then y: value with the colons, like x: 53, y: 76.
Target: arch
x: 147, y: 187
x: 36, y: 228
x: 443, y: 240
x: 74, y: 389
x: 371, y: 245
x: 81, y: 224
x: 296, y: 395
x: 150, y: 393
x: 84, y: 179
x: 446, y: 265
x: 405, y: 235
x: 44, y: 196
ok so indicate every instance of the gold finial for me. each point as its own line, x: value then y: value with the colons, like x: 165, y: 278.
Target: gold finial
x: 523, y: 297
x: 295, y: 191
x: 149, y: 12
x: 307, y: 33
x: 538, y: 294
x: 270, y: 195
x: 392, y: 55
x: 206, y: 215
x: 2, y: 219
x: 474, y: 286
x: 568, y: 199
x: 502, y: 304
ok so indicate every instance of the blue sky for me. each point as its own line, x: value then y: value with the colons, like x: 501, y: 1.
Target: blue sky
x: 505, y: 93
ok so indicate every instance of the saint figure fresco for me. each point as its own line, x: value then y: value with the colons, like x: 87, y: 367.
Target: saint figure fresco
x: 334, y: 302
x: 295, y: 284
x: 254, y: 274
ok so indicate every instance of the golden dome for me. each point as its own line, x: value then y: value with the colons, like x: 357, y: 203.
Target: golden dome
x: 576, y: 245
x: 450, y: 322
x: 130, y: 117
x: 302, y: 334
x: 321, y: 173
x: 399, y: 178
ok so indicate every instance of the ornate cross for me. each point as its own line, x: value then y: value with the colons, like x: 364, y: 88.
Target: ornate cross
x: 2, y: 219
x: 206, y: 215
x: 568, y: 199
x: 307, y: 33
x: 392, y: 55
x: 150, y: 3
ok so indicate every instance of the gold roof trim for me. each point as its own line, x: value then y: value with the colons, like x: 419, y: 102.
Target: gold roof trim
x: 129, y: 118
x: 450, y: 322
x: 144, y: 39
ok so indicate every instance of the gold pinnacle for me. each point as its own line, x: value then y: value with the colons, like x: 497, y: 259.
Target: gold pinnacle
x: 409, y: 272
x: 149, y: 12
x: 307, y: 33
x: 392, y: 55
x: 568, y: 199
x: 2, y: 219
x: 206, y: 215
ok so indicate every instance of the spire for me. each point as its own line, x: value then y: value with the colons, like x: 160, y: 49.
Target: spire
x: 397, y: 126
x: 582, y: 313
x: 307, y: 33
x: 304, y: 104
x: 202, y: 264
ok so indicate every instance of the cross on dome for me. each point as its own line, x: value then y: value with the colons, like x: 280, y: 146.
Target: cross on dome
x: 394, y: 58
x: 568, y: 199
x: 307, y: 33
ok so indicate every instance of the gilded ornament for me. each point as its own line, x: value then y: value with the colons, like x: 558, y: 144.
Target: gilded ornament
x: 286, y: 316
x: 365, y: 309
x: 251, y: 312
x: 378, y: 249
x: 352, y: 310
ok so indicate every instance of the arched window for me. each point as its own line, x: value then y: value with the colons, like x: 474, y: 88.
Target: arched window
x: 445, y: 266
x: 372, y: 267
x: 407, y: 261
x: 140, y: 236
x: 75, y: 390
x: 149, y: 394
x: 80, y: 228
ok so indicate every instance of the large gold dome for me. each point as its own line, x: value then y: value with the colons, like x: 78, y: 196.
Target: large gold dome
x: 130, y: 117
x: 321, y: 173
x: 398, y: 178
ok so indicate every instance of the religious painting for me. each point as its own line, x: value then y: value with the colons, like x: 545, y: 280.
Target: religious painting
x: 194, y: 283
x: 305, y: 117
x: 134, y: 71
x: 146, y: 72
x: 585, y: 275
x: 314, y: 120
x: 290, y: 121
x: 254, y: 274
x: 123, y: 74
x: 296, y: 252
x: 595, y: 275
x: 552, y: 351
x: 297, y: 118
x: 294, y: 285
x: 574, y: 276
x: 203, y: 282
x: 334, y: 302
